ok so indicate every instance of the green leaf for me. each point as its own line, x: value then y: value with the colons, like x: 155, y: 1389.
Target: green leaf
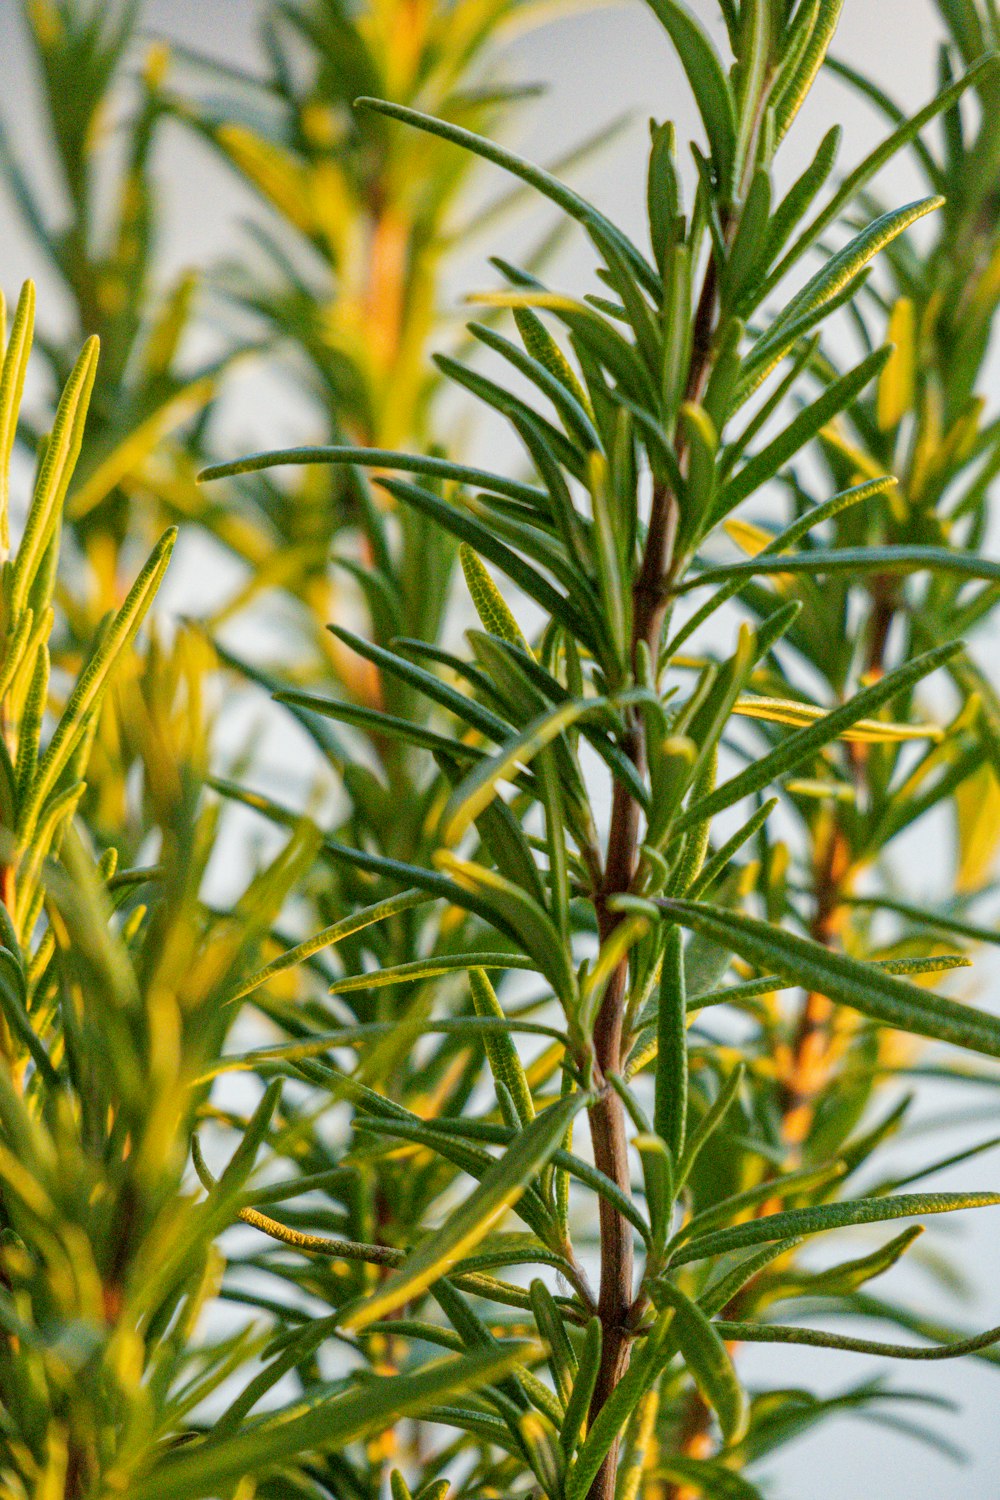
x: 436, y: 1490
x: 867, y: 988
x: 398, y: 1487
x: 532, y: 536
x: 562, y: 1356
x: 431, y: 1132
x: 428, y: 968
x: 825, y: 1217
x: 657, y: 1177
x: 805, y: 743
x: 328, y: 744
x: 462, y: 705
x: 824, y: 562
x: 376, y: 458
x: 464, y: 525
x: 391, y: 726
x: 466, y: 1027
x: 692, y: 857
x: 578, y: 1404
x: 550, y: 187
x: 815, y: 1338
x: 869, y: 89
x: 796, y: 201
x: 842, y: 268
x: 707, y: 1359
x: 801, y: 430
x: 464, y: 896
x: 458, y: 1149
x: 795, y: 84
x: 505, y: 1063
x: 567, y: 520
x: 767, y: 984
x: 670, y: 1108
x: 936, y: 921
x: 618, y: 762
x: 478, y: 788
x: 13, y: 1002
x: 621, y: 1403
x: 710, y: 1122
x: 32, y: 717
x: 513, y: 910
x: 857, y: 495
x: 509, y: 405
x: 799, y: 338
x: 551, y: 797
x: 801, y: 1182
x: 852, y: 1274
x: 592, y: 334
x: 346, y: 927
x: 716, y: 866
x: 576, y: 419
x: 199, y: 1470
x: 709, y: 85
x: 241, y: 1163
x: 473, y: 1219
x: 19, y: 641
x: 543, y: 348
x: 491, y: 607
x: 720, y: 1291
x: 662, y: 192
x: 750, y: 244
x: 638, y: 313
x: 873, y: 163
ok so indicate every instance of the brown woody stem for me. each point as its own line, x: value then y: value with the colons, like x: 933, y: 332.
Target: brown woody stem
x: 651, y: 592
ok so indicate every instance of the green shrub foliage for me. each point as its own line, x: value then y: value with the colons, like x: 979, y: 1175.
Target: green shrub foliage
x: 540, y: 1060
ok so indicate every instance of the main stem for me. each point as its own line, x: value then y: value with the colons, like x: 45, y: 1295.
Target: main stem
x: 607, y: 1114
x: 650, y: 597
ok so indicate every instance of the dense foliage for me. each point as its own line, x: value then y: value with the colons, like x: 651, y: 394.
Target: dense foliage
x: 453, y: 1128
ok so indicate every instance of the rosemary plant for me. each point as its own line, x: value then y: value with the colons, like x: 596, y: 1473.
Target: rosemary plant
x: 95, y: 226
x: 527, y: 1075
x: 343, y: 276
x: 629, y: 900
x: 117, y: 990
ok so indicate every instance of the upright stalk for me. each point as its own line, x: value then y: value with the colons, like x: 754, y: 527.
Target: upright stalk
x: 607, y: 1115
x: 650, y: 600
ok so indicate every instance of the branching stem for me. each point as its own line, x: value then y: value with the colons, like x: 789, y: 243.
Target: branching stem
x: 651, y: 594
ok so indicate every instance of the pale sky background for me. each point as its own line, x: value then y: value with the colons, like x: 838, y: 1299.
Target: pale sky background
x: 596, y: 64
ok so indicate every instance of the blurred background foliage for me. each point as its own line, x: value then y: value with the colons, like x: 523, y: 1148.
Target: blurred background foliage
x: 170, y: 933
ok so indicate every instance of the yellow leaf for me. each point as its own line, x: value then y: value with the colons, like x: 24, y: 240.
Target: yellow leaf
x: 837, y: 791
x: 977, y: 811
x: 273, y: 171
x: 749, y: 538
x: 127, y: 459
x: 896, y: 383
x: 863, y: 731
